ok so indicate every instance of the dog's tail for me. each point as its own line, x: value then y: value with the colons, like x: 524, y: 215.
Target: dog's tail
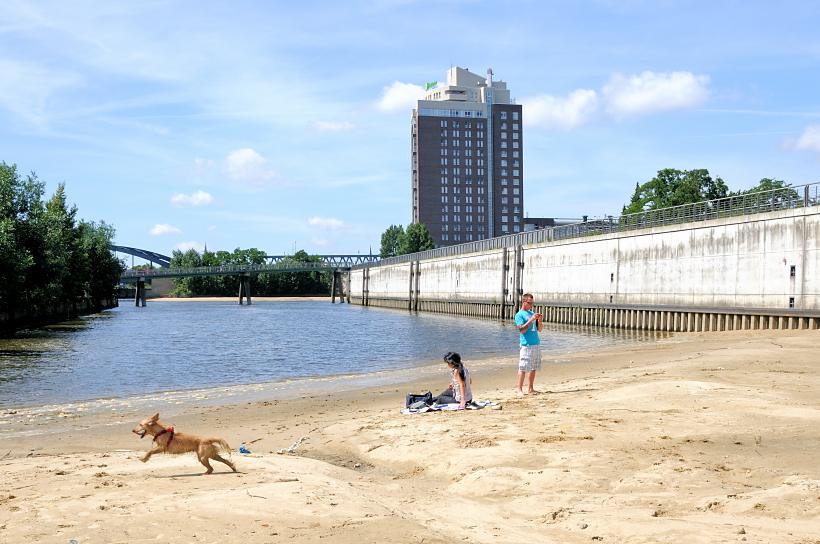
x: 223, y: 445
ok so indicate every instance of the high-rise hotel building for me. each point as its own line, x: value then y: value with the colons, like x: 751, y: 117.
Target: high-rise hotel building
x: 467, y: 160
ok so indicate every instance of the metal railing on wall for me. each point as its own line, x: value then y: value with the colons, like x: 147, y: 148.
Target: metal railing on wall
x: 784, y: 198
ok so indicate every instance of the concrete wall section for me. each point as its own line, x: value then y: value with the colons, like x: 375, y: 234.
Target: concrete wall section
x: 733, y: 264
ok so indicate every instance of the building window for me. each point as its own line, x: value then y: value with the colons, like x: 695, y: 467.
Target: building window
x: 504, y: 228
x: 503, y: 135
x: 515, y: 126
x: 504, y: 163
x: 444, y: 237
x: 505, y: 219
x: 444, y: 218
x: 515, y: 154
x: 444, y: 180
x: 517, y: 228
x: 444, y: 161
x: 504, y: 200
x: 515, y: 116
x: 469, y: 218
x: 515, y: 145
x: 503, y: 145
x: 503, y: 114
x: 515, y: 191
x: 444, y: 189
x: 456, y: 209
x: 444, y: 209
x: 515, y: 135
x: 516, y: 200
x: 516, y: 173
x: 455, y: 133
x: 503, y: 171
x: 444, y: 199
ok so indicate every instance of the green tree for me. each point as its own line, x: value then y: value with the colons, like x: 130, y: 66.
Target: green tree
x: 393, y: 239
x: 672, y: 187
x: 417, y: 238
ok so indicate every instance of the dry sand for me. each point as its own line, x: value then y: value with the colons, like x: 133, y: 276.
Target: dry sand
x: 706, y: 438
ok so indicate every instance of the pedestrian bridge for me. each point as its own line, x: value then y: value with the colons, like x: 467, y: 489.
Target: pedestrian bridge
x: 276, y: 264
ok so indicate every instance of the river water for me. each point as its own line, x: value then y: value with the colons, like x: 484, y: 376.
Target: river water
x: 169, y: 346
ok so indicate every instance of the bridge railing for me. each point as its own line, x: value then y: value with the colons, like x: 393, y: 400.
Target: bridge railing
x: 752, y: 203
x: 227, y: 270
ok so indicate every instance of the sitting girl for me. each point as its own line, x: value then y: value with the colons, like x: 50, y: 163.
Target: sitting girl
x: 459, y: 390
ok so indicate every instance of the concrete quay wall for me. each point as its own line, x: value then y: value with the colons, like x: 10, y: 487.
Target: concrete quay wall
x: 755, y: 271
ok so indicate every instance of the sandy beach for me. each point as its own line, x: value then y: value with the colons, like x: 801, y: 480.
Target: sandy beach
x: 698, y: 438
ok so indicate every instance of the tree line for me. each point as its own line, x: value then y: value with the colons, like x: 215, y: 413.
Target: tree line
x: 262, y: 284
x: 398, y: 241
x: 671, y: 187
x: 52, y: 264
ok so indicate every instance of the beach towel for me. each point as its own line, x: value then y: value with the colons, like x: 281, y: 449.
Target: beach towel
x: 472, y: 405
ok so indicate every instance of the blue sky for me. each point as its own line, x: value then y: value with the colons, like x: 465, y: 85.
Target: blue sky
x: 283, y: 125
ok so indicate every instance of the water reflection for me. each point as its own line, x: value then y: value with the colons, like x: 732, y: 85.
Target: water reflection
x: 176, y: 346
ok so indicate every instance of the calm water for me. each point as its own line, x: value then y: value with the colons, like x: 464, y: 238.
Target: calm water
x: 172, y: 346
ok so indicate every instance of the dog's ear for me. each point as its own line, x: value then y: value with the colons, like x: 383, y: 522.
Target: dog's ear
x: 155, y: 417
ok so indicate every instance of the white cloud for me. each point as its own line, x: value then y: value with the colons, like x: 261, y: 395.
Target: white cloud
x: 328, y: 223
x: 651, y: 92
x: 399, y: 97
x: 248, y: 165
x: 161, y: 229
x: 185, y: 246
x: 199, y: 198
x: 810, y: 139
x: 333, y: 126
x: 553, y: 112
x: 319, y: 242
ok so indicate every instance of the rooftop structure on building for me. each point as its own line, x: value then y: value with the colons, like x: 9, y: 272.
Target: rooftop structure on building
x: 467, y: 159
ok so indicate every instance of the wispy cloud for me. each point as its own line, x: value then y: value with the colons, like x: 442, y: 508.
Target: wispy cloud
x: 199, y: 198
x: 27, y: 89
x: 246, y: 165
x: 327, y: 223
x: 333, y: 126
x: 810, y: 139
x: 162, y: 229
x: 399, y: 96
x: 565, y: 113
x: 650, y: 92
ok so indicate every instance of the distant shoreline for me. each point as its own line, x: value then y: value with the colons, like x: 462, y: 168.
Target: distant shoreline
x: 236, y: 299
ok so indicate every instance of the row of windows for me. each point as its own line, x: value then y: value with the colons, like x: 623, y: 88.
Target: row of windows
x: 503, y: 115
x: 515, y: 163
x: 461, y: 124
x: 457, y: 134
x: 457, y: 238
x: 455, y: 143
x: 460, y: 200
x: 503, y: 126
x: 457, y: 190
x: 467, y: 218
x: 468, y: 171
x: 467, y: 209
x: 506, y: 228
x: 504, y: 135
x: 457, y: 152
x: 457, y: 228
x: 430, y: 112
x: 515, y: 145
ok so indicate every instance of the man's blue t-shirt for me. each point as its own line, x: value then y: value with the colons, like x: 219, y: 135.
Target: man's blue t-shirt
x: 529, y: 338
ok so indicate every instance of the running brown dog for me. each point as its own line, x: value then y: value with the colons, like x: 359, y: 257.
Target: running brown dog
x: 168, y: 441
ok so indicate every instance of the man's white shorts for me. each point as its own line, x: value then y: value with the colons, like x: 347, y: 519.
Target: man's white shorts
x: 529, y: 359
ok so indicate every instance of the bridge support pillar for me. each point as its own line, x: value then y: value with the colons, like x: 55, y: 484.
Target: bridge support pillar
x: 333, y: 286
x: 245, y: 288
x: 139, y: 293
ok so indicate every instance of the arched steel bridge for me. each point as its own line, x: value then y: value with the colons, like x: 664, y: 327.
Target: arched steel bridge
x: 329, y: 262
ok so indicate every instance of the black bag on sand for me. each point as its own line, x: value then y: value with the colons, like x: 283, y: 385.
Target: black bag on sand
x: 413, y: 398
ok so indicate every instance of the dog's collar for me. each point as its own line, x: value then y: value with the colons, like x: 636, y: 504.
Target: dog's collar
x: 169, y: 430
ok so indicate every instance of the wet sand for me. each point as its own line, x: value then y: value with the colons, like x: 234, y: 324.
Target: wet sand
x: 709, y: 437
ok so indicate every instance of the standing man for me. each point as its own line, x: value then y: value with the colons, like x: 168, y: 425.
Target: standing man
x: 529, y: 325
